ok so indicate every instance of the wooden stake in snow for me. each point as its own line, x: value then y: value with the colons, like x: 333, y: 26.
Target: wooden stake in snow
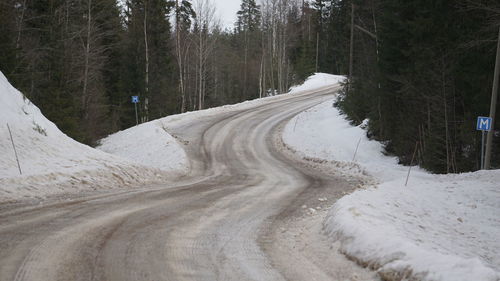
x: 411, y: 163
x: 15, y: 151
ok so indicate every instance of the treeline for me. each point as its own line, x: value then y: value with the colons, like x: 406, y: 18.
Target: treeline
x: 80, y: 61
x: 422, y: 73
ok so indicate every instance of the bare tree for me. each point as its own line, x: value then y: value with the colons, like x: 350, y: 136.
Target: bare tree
x: 90, y: 68
x: 179, y: 55
x: 205, y: 23
x: 276, y: 15
x: 183, y: 14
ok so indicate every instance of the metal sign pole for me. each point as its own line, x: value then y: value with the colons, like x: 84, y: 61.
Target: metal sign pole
x: 484, y: 124
x: 136, y: 117
x: 482, y: 150
x: 493, y: 105
x: 135, y: 101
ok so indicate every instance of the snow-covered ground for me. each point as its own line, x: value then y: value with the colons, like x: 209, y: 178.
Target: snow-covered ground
x: 439, y: 227
x: 54, y: 164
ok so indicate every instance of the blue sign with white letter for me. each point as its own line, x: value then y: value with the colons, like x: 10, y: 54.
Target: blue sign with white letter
x: 135, y: 99
x: 483, y: 123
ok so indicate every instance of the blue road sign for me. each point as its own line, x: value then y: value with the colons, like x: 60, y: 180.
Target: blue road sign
x: 483, y: 123
x: 135, y: 99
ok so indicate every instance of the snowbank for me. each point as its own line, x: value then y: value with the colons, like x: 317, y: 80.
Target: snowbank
x: 439, y: 227
x: 148, y: 144
x: 51, y: 162
x: 318, y: 80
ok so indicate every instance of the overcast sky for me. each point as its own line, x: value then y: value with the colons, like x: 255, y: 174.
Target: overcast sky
x: 227, y: 11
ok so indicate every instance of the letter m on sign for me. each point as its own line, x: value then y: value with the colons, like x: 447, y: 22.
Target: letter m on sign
x: 483, y: 123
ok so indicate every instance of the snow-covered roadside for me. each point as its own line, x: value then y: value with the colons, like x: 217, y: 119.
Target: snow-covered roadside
x: 52, y: 164
x: 159, y: 151
x: 148, y: 144
x: 315, y: 83
x: 439, y: 227
x: 317, y: 80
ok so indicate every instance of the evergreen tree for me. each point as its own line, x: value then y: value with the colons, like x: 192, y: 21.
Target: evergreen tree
x: 247, y: 29
x: 423, y: 81
x: 150, y: 73
x: 248, y: 17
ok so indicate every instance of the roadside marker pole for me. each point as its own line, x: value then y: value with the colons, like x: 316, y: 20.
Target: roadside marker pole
x: 411, y: 163
x: 136, y: 117
x: 296, y: 120
x: 135, y: 100
x: 482, y: 151
x: 484, y: 124
x: 356, y: 151
x: 15, y: 151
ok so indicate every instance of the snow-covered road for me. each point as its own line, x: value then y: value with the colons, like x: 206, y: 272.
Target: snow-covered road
x: 225, y: 220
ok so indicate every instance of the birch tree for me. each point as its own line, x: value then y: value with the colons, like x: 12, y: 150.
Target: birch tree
x: 206, y: 22
x: 183, y: 14
x: 276, y: 15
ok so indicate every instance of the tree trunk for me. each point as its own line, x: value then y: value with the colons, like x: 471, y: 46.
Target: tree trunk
x: 351, y: 46
x: 20, y: 26
x: 85, y: 98
x: 179, y: 57
x: 317, y: 50
x: 246, y: 65
x: 261, y: 75
x: 200, y: 69
x: 146, y: 92
x: 443, y: 84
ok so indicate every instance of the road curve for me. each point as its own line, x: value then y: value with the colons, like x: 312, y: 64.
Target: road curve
x: 208, y: 225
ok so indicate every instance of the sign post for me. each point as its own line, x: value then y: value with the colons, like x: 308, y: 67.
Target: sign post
x: 482, y: 150
x: 483, y: 125
x: 493, y: 106
x: 135, y: 100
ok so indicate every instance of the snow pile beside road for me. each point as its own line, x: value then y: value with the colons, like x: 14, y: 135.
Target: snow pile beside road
x: 439, y: 227
x: 51, y: 162
x: 316, y: 81
x: 148, y: 144
x: 163, y: 152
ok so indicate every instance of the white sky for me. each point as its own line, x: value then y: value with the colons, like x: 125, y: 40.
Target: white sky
x: 226, y: 9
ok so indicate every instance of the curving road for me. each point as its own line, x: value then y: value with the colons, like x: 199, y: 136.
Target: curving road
x: 220, y: 222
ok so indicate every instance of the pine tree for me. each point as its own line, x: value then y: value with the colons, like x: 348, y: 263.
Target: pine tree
x: 423, y: 81
x: 247, y: 26
x: 150, y: 71
x: 248, y: 17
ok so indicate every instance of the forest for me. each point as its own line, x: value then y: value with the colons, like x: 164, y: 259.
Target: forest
x: 419, y: 71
